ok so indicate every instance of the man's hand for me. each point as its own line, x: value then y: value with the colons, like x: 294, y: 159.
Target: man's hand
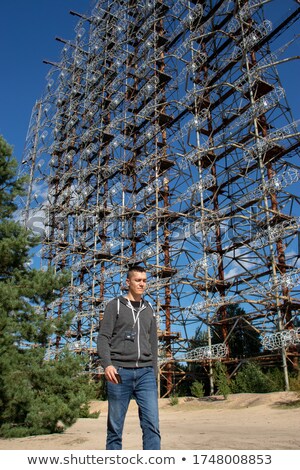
x: 110, y: 374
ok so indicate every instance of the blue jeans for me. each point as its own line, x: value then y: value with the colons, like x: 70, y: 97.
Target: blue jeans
x: 139, y: 383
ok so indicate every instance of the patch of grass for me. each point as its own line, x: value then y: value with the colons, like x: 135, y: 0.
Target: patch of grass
x: 85, y: 412
x: 295, y: 384
x: 288, y: 405
x: 174, y: 400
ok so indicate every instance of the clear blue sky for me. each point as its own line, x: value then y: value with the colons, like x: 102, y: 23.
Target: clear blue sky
x: 27, y: 37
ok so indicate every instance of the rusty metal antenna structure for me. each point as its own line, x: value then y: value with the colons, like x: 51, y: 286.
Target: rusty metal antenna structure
x: 164, y: 138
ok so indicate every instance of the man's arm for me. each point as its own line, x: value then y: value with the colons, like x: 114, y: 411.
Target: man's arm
x: 154, y: 345
x: 104, y: 340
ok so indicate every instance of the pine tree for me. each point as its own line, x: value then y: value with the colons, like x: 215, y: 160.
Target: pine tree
x: 221, y: 379
x: 37, y: 396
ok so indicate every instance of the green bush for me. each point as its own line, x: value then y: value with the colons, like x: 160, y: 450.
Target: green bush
x: 295, y: 383
x: 276, y: 378
x: 221, y: 380
x: 43, y: 397
x: 174, y: 399
x: 85, y: 412
x: 197, y: 389
x: 251, y: 379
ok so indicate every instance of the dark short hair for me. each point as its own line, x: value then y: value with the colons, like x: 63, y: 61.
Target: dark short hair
x: 139, y: 269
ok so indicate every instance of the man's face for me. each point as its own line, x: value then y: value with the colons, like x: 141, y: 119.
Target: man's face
x: 137, y: 282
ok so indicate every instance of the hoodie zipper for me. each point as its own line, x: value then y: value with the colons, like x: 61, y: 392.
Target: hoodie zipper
x: 137, y: 320
x: 138, y: 343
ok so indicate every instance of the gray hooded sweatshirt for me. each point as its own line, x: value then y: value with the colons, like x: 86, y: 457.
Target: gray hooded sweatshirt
x: 127, y: 336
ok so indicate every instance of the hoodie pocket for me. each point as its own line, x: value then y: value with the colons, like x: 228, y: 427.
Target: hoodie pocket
x: 130, y: 349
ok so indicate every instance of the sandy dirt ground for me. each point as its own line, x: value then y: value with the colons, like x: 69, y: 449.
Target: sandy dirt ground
x: 243, y: 421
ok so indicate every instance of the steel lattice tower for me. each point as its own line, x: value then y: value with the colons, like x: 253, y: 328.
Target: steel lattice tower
x: 164, y: 138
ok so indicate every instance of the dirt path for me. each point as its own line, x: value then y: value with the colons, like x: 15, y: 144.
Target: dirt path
x: 243, y: 421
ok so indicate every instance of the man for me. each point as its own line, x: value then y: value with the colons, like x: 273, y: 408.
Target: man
x: 127, y: 347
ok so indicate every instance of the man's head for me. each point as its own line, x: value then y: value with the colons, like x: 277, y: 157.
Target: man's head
x: 136, y: 281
